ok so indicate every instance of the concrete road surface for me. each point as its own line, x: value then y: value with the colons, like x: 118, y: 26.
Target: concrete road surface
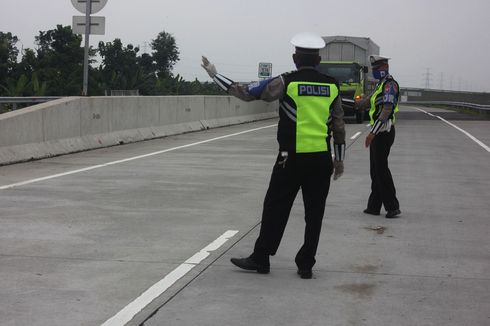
x: 144, y: 233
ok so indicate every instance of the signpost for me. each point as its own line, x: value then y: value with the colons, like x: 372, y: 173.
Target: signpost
x: 265, y: 70
x: 96, y: 5
x: 97, y: 26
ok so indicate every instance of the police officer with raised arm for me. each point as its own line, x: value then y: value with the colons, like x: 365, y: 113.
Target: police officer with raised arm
x: 383, y: 106
x: 310, y: 112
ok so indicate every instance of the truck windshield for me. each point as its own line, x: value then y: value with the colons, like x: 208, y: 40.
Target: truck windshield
x: 344, y: 73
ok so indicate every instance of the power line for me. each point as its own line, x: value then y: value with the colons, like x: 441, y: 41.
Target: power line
x: 428, y: 77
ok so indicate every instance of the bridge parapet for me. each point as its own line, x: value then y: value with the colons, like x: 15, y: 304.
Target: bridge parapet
x: 75, y: 124
x: 424, y: 95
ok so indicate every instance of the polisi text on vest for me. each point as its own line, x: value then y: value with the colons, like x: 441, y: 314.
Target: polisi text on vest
x: 313, y: 90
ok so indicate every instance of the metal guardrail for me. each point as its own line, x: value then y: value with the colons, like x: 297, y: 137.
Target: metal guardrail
x: 479, y: 107
x: 26, y: 99
x: 29, y: 100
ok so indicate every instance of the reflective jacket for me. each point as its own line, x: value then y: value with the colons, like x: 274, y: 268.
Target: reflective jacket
x: 378, y: 98
x: 305, y: 111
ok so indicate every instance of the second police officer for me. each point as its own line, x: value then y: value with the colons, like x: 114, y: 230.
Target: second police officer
x: 383, y: 106
x: 310, y: 112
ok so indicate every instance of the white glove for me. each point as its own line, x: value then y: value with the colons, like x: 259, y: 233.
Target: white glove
x: 338, y: 169
x: 209, y: 67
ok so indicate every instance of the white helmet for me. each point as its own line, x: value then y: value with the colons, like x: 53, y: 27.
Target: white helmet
x: 308, y: 41
x: 376, y: 58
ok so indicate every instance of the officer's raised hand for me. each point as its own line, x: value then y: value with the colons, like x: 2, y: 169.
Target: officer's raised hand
x: 209, y: 67
x: 338, y: 169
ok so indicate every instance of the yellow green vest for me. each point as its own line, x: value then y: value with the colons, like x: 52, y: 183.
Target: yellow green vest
x: 376, y: 101
x: 313, y: 102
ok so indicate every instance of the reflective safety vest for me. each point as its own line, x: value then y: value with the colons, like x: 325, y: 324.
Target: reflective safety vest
x: 309, y: 103
x: 376, y: 101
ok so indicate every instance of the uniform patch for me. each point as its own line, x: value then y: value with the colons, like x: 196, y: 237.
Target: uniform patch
x: 391, y: 87
x: 389, y: 99
x: 389, y: 93
x: 313, y: 90
x: 256, y: 88
x: 387, y: 87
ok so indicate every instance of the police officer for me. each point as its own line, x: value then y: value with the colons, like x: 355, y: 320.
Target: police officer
x: 383, y: 106
x: 309, y: 112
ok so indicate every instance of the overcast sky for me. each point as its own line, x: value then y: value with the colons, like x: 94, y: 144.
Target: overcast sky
x: 445, y: 41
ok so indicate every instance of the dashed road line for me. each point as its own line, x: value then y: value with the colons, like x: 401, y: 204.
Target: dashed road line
x: 357, y: 134
x: 131, y: 310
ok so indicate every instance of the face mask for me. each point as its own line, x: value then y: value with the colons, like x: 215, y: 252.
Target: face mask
x: 379, y: 74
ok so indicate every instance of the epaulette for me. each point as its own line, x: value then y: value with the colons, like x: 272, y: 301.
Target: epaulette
x: 285, y: 74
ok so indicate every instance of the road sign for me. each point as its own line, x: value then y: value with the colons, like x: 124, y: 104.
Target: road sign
x: 88, y: 25
x: 97, y: 25
x: 265, y: 70
x: 96, y: 5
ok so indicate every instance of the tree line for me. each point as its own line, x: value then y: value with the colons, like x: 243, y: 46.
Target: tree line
x: 55, y: 68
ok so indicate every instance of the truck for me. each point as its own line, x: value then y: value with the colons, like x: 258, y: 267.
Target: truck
x: 346, y: 58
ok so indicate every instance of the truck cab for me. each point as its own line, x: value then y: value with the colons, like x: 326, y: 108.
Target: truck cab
x: 346, y: 59
x: 351, y: 79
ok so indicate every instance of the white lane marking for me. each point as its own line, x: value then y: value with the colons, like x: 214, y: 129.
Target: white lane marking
x: 201, y: 255
x: 131, y: 310
x: 356, y: 135
x: 473, y: 138
x: 17, y: 184
x: 127, y: 314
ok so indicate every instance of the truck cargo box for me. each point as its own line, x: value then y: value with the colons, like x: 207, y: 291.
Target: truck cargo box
x: 346, y: 58
x: 348, y: 48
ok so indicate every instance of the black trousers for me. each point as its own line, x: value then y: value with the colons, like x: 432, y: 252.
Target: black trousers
x: 311, y: 173
x: 383, y: 190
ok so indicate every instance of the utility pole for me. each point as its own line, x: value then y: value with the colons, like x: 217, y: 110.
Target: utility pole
x: 88, y: 11
x: 441, y: 81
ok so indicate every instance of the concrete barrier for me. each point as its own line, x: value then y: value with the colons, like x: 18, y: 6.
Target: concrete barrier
x: 424, y: 95
x: 75, y: 124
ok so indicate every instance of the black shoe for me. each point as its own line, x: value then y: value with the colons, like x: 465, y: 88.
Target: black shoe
x: 249, y: 265
x: 371, y: 212
x: 305, y: 273
x: 393, y: 214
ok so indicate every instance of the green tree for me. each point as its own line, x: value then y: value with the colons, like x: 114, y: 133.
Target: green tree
x: 8, y: 59
x: 28, y: 63
x: 23, y: 79
x: 165, y: 54
x: 56, y: 67
x: 59, y: 61
x: 122, y: 68
x: 178, y: 86
x: 145, y: 61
